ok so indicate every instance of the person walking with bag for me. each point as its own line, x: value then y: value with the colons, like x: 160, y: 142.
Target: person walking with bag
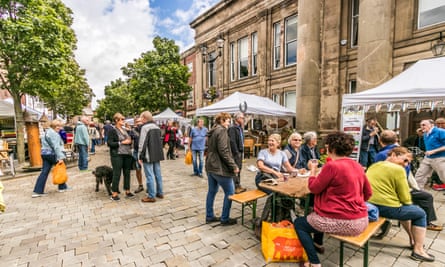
x: 236, y: 136
x: 52, y: 153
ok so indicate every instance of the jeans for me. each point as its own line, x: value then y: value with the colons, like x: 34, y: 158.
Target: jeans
x: 152, y: 172
x: 304, y: 230
x: 197, y: 166
x: 367, y: 157
x: 48, y: 162
x: 93, y: 144
x: 83, y: 157
x: 214, y: 181
x: 404, y: 213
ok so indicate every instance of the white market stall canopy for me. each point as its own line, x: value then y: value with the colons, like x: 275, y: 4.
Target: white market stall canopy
x: 168, y: 114
x: 256, y: 105
x: 423, y: 82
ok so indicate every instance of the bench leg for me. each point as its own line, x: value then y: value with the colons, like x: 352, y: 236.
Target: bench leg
x: 341, y: 253
x: 365, y: 254
x: 242, y: 213
x: 253, y: 214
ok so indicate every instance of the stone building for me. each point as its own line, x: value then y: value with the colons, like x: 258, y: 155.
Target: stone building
x: 306, y: 54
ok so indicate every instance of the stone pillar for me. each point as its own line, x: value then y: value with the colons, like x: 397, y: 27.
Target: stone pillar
x: 308, y: 67
x: 375, y: 47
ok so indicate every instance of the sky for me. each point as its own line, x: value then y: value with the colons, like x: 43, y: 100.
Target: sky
x: 112, y: 33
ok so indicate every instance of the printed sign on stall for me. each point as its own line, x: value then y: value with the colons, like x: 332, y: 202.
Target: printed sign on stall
x: 352, y: 123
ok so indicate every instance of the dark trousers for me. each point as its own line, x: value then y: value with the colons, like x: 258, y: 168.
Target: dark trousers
x: 304, y: 231
x: 121, y: 164
x: 424, y: 200
x: 171, y: 147
x: 239, y: 162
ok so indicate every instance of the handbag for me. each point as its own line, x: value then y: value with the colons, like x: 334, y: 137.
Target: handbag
x: 280, y: 243
x: 188, y: 157
x: 60, y: 175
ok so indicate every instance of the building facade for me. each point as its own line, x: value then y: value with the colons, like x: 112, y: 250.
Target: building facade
x: 306, y: 54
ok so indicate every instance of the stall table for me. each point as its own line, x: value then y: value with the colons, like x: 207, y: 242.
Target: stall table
x: 294, y: 187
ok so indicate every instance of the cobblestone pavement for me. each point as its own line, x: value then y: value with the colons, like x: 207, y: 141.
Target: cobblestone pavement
x: 85, y: 228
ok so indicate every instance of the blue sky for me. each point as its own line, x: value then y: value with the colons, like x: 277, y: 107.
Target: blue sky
x: 112, y: 33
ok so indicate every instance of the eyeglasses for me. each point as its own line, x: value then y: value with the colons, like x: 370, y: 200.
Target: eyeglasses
x: 299, y: 140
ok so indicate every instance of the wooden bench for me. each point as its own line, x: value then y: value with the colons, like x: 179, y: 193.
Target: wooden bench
x: 249, y: 199
x: 360, y: 240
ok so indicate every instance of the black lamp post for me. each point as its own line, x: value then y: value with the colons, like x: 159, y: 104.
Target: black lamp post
x: 212, y: 93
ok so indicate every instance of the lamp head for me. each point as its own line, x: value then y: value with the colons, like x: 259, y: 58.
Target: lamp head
x: 438, y: 46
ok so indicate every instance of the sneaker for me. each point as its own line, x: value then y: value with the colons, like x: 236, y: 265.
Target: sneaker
x: 115, y: 198
x: 439, y: 187
x: 200, y: 175
x: 34, y: 194
x: 214, y: 219
x: 64, y: 190
x: 148, y: 199
x: 129, y: 195
x: 230, y: 221
x: 140, y: 189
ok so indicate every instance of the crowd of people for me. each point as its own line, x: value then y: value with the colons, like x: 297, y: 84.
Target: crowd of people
x: 382, y: 177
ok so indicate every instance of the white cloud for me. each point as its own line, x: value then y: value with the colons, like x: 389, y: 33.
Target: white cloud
x: 110, y: 34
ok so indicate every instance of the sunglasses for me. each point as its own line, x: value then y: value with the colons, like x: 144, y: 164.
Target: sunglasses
x: 121, y: 119
x: 406, y: 160
x: 299, y: 140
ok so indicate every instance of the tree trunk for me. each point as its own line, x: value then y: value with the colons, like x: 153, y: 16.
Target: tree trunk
x: 19, y: 127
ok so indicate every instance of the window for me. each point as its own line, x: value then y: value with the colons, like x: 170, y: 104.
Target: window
x: 290, y: 100
x: 232, y: 61
x: 243, y: 58
x: 276, y: 45
x: 354, y: 22
x: 254, y: 53
x: 291, y: 29
x: 431, y: 12
x: 352, y: 87
x: 212, y: 70
x: 190, y: 67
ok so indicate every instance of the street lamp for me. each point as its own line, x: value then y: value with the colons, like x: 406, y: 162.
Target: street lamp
x: 219, y: 43
x: 438, y: 46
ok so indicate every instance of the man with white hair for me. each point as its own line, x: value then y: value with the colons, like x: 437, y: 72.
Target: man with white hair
x: 236, y: 136
x: 434, y: 160
x: 81, y: 141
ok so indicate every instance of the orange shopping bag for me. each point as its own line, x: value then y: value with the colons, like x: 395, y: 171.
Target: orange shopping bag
x: 188, y: 157
x: 280, y: 243
x: 59, y: 173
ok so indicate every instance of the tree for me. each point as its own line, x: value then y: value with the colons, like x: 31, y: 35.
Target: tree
x: 36, y: 46
x: 117, y: 99
x: 157, y: 79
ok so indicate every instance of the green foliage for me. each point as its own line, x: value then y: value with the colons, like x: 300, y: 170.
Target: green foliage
x: 36, y: 56
x: 154, y: 81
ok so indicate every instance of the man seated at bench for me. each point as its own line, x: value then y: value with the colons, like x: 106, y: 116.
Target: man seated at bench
x: 392, y: 197
x: 340, y: 191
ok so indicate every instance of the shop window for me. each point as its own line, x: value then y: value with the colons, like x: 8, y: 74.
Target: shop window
x: 290, y: 100
x: 291, y: 28
x: 430, y: 12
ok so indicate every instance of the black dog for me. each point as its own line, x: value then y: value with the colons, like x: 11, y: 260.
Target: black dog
x: 104, y: 174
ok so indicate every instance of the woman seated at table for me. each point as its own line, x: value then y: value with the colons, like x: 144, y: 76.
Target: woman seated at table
x: 292, y: 150
x: 392, y: 198
x: 271, y: 160
x: 340, y: 192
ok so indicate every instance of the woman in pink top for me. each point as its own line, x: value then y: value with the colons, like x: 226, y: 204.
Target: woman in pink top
x: 340, y: 192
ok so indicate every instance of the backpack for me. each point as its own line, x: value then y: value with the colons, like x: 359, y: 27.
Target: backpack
x: 284, y: 206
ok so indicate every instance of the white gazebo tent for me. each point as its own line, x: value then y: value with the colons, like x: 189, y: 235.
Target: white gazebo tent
x: 423, y: 82
x: 252, y: 104
x: 167, y: 114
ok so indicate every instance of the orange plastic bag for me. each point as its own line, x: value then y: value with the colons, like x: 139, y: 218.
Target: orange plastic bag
x: 59, y: 173
x: 280, y: 243
x: 188, y: 157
